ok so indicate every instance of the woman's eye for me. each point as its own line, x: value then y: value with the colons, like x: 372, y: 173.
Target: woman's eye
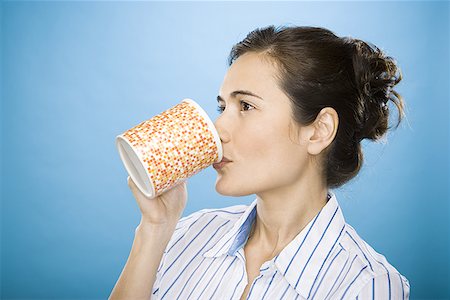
x: 244, y: 105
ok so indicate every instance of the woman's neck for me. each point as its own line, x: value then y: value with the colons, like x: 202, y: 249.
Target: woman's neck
x: 282, y: 215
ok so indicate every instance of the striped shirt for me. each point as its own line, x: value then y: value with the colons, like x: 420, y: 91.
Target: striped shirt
x: 327, y: 260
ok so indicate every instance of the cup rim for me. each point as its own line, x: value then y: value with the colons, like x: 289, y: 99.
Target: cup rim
x: 119, y: 139
x: 211, y: 126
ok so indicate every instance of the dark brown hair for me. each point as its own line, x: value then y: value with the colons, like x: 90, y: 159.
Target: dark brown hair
x: 317, y: 69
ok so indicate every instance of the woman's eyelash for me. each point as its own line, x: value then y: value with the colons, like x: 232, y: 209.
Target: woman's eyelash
x: 220, y: 109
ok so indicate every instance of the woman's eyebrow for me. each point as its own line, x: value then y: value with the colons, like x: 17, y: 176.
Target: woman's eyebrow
x: 239, y: 92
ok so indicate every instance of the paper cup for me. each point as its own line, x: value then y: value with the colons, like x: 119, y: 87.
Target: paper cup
x: 169, y: 148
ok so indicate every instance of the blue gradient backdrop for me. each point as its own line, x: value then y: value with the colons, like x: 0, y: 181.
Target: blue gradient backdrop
x: 76, y: 74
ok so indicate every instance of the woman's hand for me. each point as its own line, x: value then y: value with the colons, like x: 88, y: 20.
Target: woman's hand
x: 165, y: 209
x: 159, y: 218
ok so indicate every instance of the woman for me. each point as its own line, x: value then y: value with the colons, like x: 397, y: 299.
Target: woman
x: 295, y: 104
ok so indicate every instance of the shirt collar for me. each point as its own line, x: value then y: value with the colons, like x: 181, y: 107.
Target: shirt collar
x: 303, y: 258
x: 237, y: 236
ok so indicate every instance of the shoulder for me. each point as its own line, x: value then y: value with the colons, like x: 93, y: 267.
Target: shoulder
x: 208, y: 219
x: 355, y: 245
x: 371, y: 271
x: 230, y: 213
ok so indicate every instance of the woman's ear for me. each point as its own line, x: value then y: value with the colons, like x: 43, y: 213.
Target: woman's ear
x: 322, y: 130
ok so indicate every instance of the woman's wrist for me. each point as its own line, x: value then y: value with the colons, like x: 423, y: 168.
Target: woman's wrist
x: 150, y: 229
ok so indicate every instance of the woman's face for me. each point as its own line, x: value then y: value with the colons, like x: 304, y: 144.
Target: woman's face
x: 255, y: 131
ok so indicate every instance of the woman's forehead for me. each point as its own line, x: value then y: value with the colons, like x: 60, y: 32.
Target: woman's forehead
x: 249, y: 72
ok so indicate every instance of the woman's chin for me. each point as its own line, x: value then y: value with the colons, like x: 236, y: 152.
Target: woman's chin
x: 228, y: 190
x: 222, y: 189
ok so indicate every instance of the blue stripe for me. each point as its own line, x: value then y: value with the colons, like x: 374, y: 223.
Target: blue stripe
x: 323, y: 263
x: 240, y: 280
x: 182, y: 221
x: 178, y: 239
x: 223, y: 275
x: 190, y: 226
x: 161, y: 262
x: 282, y: 296
x: 223, y: 245
x: 206, y: 211
x: 156, y: 291
x: 326, y: 271
x: 276, y: 257
x: 204, y: 273
x: 360, y: 250
x: 373, y: 288
x: 186, y: 219
x: 253, y: 285
x: 314, y: 250
x: 350, y: 268
x: 242, y: 235
x: 241, y: 212
x: 194, y: 257
x: 240, y: 255
x: 192, y: 274
x: 401, y: 282
x: 212, y: 277
x: 269, y: 285
x: 183, y: 234
x: 353, y: 282
x: 298, y: 249
x: 335, y: 281
x: 389, y: 282
x: 188, y: 245
x: 389, y: 278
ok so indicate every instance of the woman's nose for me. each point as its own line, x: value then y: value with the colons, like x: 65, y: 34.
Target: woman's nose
x: 224, y: 135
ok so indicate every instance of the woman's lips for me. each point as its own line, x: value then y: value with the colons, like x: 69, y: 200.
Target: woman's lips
x: 221, y: 164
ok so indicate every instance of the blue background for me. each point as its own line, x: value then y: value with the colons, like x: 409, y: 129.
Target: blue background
x: 75, y: 75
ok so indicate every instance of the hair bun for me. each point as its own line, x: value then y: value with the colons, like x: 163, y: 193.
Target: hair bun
x: 375, y: 77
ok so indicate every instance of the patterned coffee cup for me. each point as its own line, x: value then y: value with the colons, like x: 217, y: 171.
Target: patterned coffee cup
x: 169, y: 148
